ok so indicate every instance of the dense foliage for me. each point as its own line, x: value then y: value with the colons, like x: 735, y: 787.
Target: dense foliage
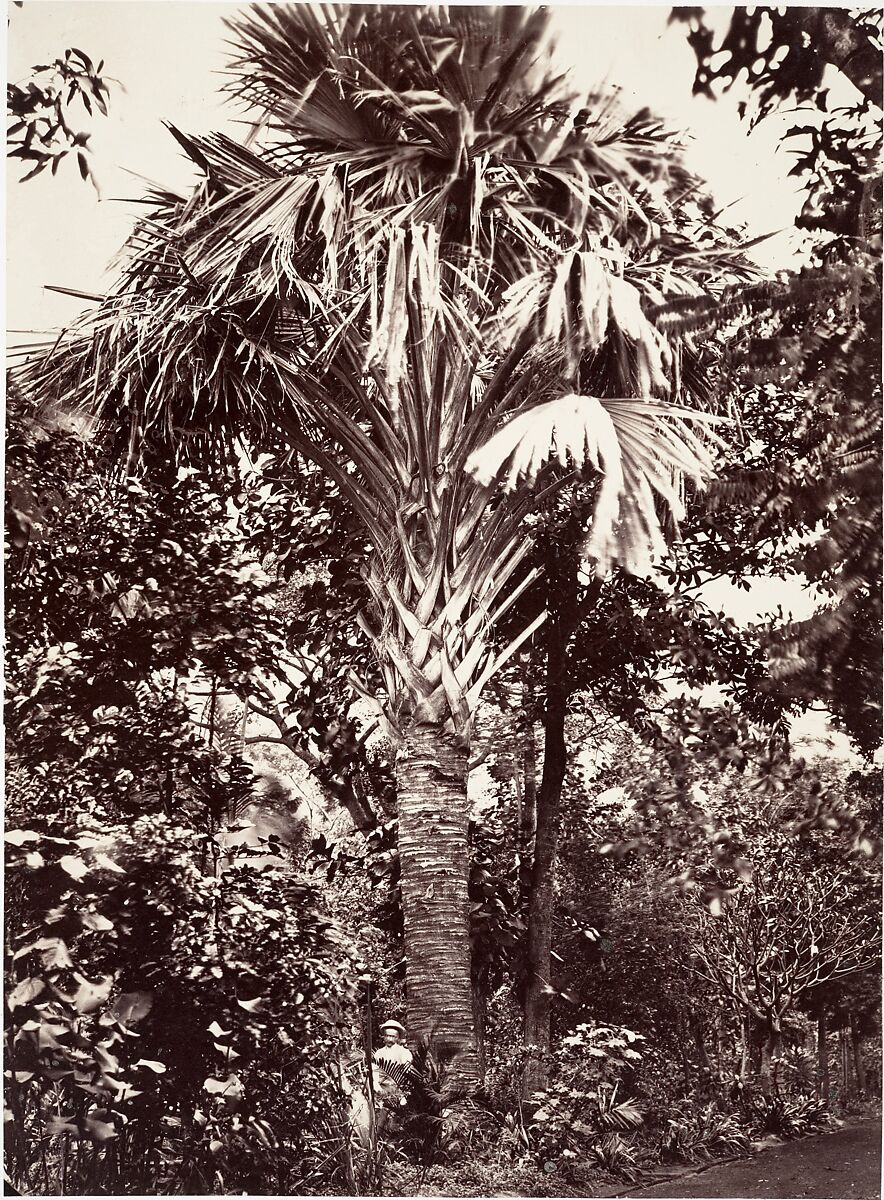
x: 175, y: 998
x: 367, y: 586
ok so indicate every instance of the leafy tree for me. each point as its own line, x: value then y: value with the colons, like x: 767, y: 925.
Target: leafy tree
x: 177, y: 1021
x: 791, y: 60
x: 719, y: 888
x: 621, y: 944
x: 780, y: 896
x: 823, y: 490
x: 39, y: 113
x: 799, y: 495
x: 812, y: 488
x: 782, y: 933
x: 421, y: 249
x: 116, y: 592
x: 157, y: 983
x: 614, y: 647
x: 305, y: 535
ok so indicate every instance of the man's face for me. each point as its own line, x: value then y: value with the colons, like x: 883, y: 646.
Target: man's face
x: 391, y: 1037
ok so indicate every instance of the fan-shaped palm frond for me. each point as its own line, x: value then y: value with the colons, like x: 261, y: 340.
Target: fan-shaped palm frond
x: 624, y: 1115
x: 637, y: 447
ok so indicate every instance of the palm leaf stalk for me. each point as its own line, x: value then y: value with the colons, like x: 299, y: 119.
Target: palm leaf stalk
x: 426, y: 277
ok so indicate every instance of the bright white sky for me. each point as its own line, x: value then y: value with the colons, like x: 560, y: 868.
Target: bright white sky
x: 169, y: 55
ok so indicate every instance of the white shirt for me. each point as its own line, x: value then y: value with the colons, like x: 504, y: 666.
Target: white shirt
x: 397, y: 1053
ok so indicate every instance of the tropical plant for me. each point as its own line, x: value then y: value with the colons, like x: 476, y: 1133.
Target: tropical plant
x: 583, y: 1107
x: 614, y: 1155
x: 790, y: 926
x: 786, y: 1118
x: 435, y: 1094
x: 575, y: 1121
x: 422, y: 276
x: 702, y: 1133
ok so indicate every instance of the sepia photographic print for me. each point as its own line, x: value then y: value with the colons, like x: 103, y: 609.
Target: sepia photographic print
x: 443, y: 600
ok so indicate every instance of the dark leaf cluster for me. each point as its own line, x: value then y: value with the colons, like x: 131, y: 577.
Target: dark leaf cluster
x: 39, y: 113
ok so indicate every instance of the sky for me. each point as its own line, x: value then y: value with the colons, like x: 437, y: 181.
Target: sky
x: 169, y: 56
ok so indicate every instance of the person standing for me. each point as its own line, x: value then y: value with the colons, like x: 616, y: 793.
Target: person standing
x: 393, y: 1049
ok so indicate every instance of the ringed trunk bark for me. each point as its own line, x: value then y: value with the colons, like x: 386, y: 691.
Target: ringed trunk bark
x: 431, y: 768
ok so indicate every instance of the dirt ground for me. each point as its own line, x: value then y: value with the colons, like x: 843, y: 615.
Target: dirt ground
x: 845, y: 1165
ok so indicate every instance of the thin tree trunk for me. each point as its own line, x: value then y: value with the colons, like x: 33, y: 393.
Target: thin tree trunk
x: 686, y: 1070
x: 700, y: 1043
x: 745, y: 1047
x: 528, y: 813
x: 764, y: 1074
x: 845, y: 1066
x: 771, y: 1052
x: 822, y: 1052
x: 562, y: 585
x: 431, y: 770
x: 858, y: 1065
x: 538, y: 994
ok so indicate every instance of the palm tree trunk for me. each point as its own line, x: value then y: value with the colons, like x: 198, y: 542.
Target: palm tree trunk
x: 431, y: 770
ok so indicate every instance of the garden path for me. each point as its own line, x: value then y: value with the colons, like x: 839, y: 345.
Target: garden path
x: 844, y: 1165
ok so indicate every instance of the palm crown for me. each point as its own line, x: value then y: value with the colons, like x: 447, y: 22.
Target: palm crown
x: 422, y: 275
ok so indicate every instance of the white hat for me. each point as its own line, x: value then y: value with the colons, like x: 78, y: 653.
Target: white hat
x: 393, y: 1025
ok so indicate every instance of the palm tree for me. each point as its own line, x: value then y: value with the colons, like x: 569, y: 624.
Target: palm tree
x: 424, y: 276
